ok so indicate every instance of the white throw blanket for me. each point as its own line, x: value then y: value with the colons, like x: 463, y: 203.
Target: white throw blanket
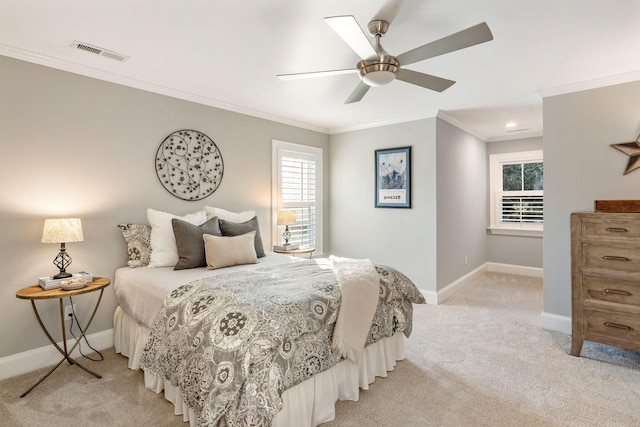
x: 360, y: 286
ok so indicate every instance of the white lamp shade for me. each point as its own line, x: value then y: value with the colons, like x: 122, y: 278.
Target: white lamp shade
x: 62, y: 230
x: 286, y: 218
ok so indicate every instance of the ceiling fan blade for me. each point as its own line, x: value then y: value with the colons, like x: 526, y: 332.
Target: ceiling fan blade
x: 471, y: 36
x: 358, y: 93
x: 312, y: 74
x: 348, y: 29
x: 424, y: 80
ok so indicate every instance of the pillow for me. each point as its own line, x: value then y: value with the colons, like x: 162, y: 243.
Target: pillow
x: 138, y: 239
x: 228, y: 215
x: 164, y: 252
x: 227, y: 251
x: 235, y: 229
x: 189, y: 242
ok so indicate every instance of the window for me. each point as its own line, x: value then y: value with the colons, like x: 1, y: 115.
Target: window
x: 297, y: 186
x: 516, y: 193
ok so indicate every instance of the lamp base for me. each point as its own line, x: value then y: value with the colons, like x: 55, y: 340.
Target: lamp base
x: 62, y: 275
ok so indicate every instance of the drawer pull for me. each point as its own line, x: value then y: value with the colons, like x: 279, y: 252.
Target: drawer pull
x: 617, y: 230
x: 616, y: 258
x: 616, y: 292
x: 618, y: 326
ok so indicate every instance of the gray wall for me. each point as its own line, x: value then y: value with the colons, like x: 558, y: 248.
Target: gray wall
x: 580, y: 167
x: 402, y: 238
x: 75, y: 146
x: 516, y: 250
x: 461, y: 203
x: 449, y: 212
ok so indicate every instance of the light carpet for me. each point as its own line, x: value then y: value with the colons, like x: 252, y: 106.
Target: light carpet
x: 480, y: 359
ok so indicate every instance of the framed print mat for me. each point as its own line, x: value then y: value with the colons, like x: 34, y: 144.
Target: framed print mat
x: 393, y: 178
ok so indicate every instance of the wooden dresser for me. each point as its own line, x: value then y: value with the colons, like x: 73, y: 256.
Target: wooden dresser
x: 605, y: 274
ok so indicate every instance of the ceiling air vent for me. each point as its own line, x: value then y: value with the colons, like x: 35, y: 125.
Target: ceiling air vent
x: 99, y: 51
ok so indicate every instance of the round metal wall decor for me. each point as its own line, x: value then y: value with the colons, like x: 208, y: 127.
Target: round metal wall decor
x: 189, y: 165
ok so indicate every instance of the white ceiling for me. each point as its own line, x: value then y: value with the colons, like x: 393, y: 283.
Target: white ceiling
x: 227, y: 54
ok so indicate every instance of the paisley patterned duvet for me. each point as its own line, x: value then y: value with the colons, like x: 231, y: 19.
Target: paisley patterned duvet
x: 234, y: 343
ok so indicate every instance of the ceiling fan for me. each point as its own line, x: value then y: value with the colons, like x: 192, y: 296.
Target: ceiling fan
x: 377, y: 67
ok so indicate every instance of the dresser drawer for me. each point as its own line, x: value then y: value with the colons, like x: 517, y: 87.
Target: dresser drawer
x: 617, y: 257
x: 612, y: 327
x: 611, y: 289
x: 610, y: 228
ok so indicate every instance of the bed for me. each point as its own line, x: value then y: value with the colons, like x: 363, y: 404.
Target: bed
x: 219, y: 345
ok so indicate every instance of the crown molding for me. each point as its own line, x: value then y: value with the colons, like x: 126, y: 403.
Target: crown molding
x: 95, y: 73
x: 468, y: 129
x: 426, y: 115
x: 590, y: 84
x: 522, y: 135
x: 481, y: 136
x: 91, y: 72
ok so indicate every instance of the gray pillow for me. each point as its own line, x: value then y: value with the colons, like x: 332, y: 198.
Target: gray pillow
x: 190, y: 243
x: 238, y: 228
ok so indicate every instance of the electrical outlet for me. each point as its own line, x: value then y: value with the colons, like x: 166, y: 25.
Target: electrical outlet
x: 68, y: 311
x: 466, y: 260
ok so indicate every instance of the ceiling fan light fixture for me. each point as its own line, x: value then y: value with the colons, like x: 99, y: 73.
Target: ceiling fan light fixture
x: 378, y: 78
x: 379, y: 71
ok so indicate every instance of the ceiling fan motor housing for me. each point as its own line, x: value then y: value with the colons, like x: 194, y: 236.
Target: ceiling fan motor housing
x: 378, y: 71
x: 383, y: 69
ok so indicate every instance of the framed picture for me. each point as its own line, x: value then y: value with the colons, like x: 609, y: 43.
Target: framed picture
x: 393, y: 178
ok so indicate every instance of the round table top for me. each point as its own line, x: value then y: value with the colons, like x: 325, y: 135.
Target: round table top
x: 294, y: 251
x: 36, y: 291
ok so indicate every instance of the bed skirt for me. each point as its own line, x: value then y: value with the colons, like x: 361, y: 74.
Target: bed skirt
x: 310, y: 403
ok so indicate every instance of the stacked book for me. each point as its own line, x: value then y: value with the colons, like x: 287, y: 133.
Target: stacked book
x: 289, y: 247
x: 49, y: 282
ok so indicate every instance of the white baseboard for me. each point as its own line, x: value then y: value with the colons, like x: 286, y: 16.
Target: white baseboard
x: 42, y: 357
x: 452, y: 288
x: 30, y: 360
x: 459, y: 284
x: 555, y: 322
x: 548, y: 321
x: 520, y: 270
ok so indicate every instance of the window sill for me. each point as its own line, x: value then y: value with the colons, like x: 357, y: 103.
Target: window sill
x: 515, y: 232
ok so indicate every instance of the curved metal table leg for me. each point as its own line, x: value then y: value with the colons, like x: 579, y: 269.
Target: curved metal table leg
x: 66, y: 354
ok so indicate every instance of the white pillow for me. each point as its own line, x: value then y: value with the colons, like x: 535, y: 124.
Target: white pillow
x: 227, y: 251
x: 228, y: 215
x: 164, y: 252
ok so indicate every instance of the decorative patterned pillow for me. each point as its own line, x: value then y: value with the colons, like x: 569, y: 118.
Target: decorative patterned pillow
x: 138, y: 239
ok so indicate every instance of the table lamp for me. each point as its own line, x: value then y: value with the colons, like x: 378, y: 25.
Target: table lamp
x: 62, y: 230
x: 286, y: 218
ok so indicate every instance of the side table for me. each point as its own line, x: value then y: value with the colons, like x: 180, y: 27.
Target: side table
x: 35, y: 292
x: 300, y: 251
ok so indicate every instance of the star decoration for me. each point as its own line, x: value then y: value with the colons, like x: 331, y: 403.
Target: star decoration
x: 631, y: 149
